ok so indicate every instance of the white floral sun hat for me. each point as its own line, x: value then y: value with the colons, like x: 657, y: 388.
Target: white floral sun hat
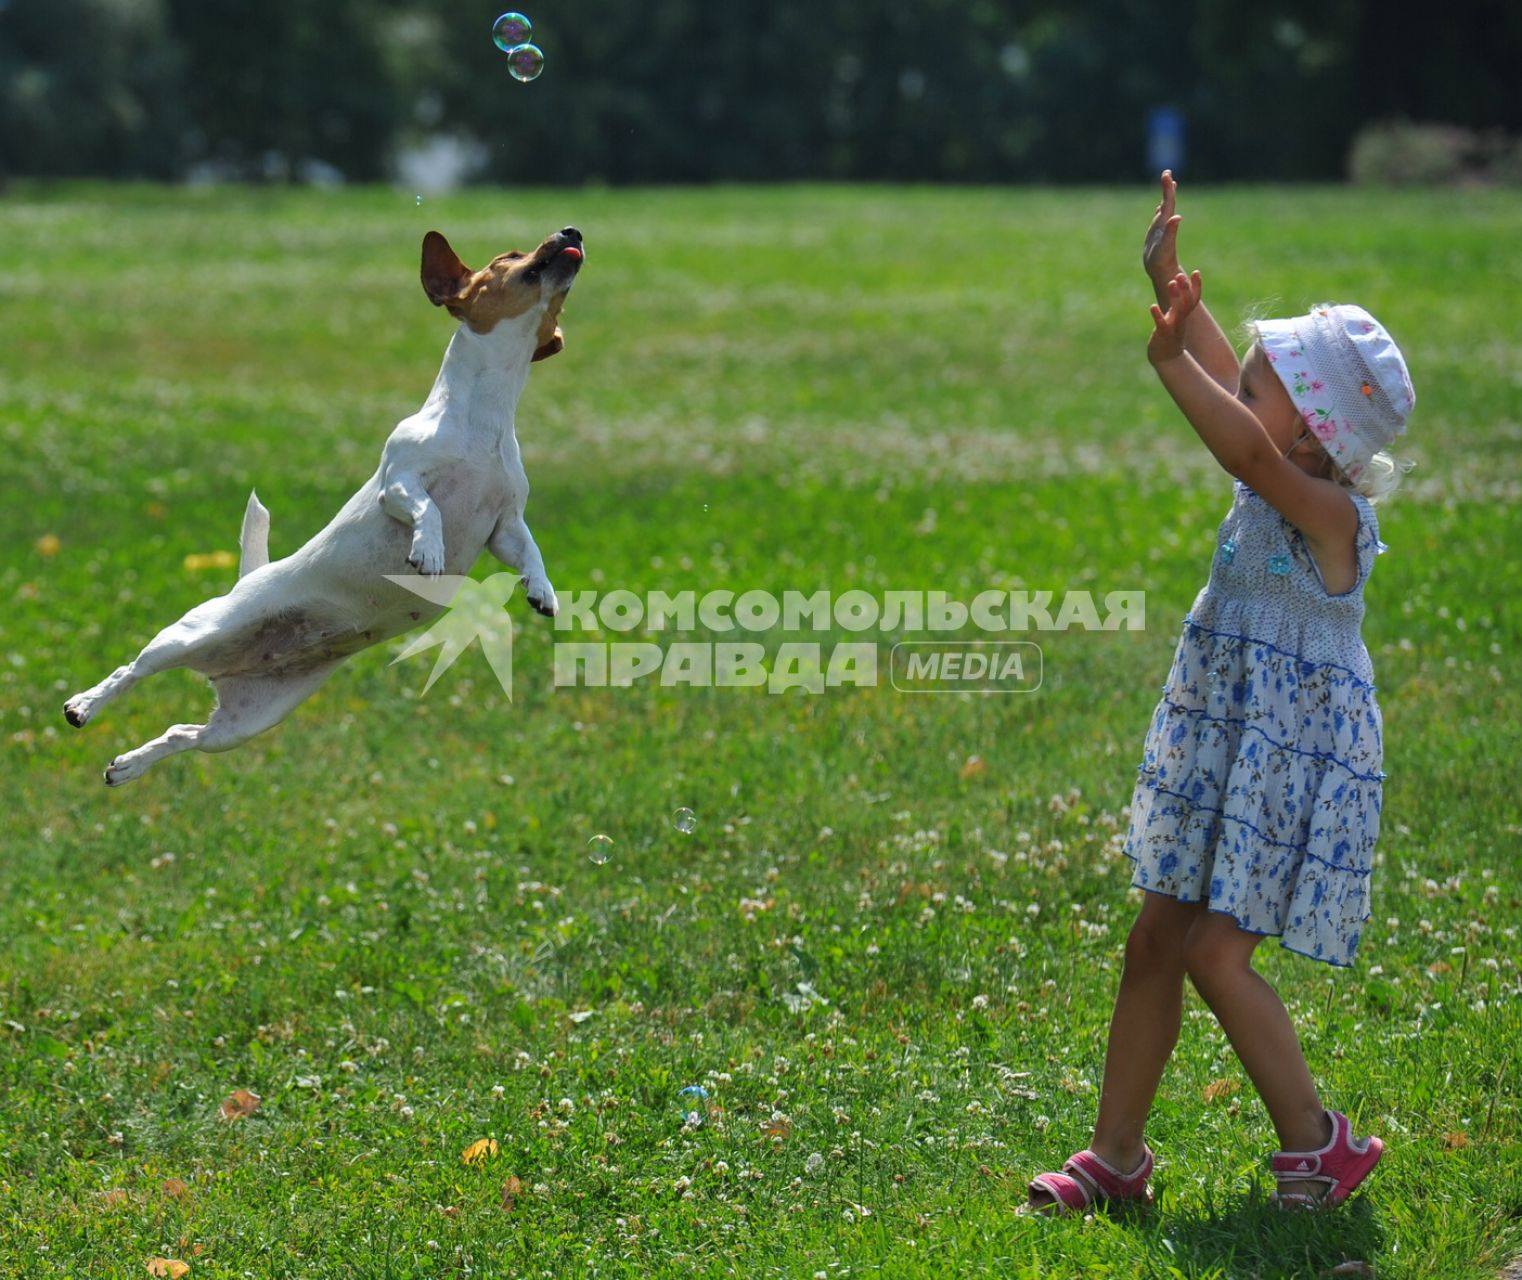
x: 1347, y: 378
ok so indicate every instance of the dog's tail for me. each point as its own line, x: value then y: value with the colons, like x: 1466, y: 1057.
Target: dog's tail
x: 255, y: 538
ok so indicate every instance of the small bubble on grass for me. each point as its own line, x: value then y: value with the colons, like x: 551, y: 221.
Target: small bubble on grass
x: 600, y: 849
x: 692, y: 1101
x: 685, y: 821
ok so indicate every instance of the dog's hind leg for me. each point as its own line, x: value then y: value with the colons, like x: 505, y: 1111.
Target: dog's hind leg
x: 174, y: 646
x: 246, y: 705
x: 254, y: 540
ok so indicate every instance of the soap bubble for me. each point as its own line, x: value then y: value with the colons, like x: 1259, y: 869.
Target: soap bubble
x: 685, y: 821
x: 511, y: 30
x: 600, y: 849
x: 693, y: 1101
x: 525, y: 62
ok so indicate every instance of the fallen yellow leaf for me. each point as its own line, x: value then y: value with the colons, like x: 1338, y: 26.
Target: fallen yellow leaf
x: 169, y: 1268
x: 211, y: 560
x: 478, y: 1151
x: 239, y: 1103
x: 177, y: 1188
x: 1219, y: 1089
x: 511, y: 1189
x: 972, y: 768
x: 48, y: 545
x: 1453, y: 1141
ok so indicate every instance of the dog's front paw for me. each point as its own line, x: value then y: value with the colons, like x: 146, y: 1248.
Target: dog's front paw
x: 541, y: 595
x: 77, y: 710
x: 427, y: 556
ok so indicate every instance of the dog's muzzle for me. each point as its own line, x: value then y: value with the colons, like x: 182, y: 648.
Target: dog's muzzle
x: 566, y: 248
x: 557, y: 260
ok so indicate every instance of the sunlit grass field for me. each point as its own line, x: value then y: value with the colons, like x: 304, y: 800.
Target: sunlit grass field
x: 888, y: 948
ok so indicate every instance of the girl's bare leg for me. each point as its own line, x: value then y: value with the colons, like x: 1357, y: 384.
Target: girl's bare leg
x: 1218, y: 955
x: 1143, y: 1029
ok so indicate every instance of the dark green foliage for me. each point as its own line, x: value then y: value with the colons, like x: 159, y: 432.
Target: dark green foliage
x: 682, y: 91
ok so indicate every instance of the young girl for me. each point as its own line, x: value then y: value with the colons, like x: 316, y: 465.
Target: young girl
x: 1257, y: 803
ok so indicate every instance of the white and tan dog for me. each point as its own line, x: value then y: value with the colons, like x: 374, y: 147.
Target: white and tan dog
x: 450, y: 482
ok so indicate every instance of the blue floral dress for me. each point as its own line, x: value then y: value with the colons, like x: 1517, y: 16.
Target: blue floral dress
x: 1259, y: 788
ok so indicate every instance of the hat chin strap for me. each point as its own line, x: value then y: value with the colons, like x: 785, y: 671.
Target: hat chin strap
x: 1327, y: 460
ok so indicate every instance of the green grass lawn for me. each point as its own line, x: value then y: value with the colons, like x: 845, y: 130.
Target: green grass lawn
x: 381, y: 917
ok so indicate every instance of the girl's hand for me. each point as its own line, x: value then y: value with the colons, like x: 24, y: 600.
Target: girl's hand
x: 1167, y: 340
x: 1160, y: 248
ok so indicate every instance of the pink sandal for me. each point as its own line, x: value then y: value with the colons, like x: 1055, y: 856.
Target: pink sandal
x: 1342, y: 1164
x: 1086, y: 1180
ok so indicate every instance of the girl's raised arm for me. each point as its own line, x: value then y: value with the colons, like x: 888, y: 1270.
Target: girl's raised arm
x: 1235, y: 434
x: 1204, y: 339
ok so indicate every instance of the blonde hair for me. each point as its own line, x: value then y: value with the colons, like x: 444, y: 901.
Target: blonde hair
x: 1381, y: 476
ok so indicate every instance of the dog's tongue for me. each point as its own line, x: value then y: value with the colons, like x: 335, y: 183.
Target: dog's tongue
x: 572, y: 252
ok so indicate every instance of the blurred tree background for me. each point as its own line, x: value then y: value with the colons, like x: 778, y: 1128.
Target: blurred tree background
x: 746, y: 90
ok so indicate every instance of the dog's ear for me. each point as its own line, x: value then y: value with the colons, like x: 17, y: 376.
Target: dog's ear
x: 553, y: 347
x: 444, y: 275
